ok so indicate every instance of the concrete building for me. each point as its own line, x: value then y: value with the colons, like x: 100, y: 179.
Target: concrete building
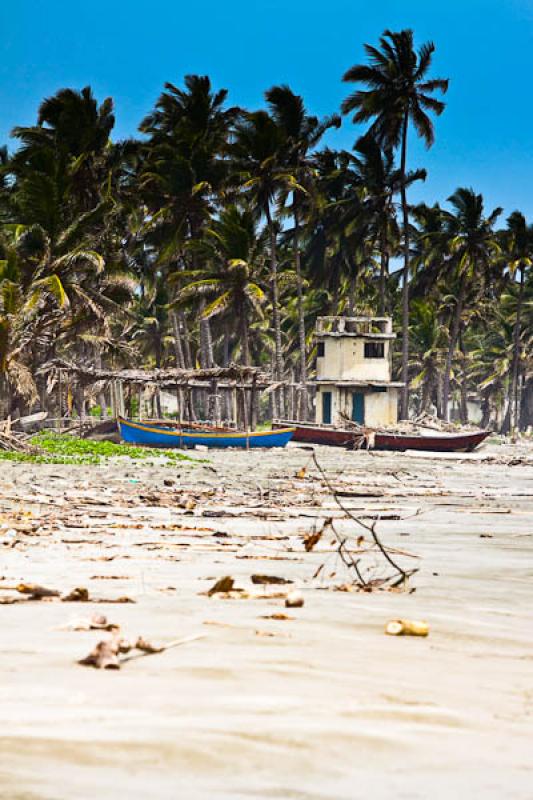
x: 353, y: 374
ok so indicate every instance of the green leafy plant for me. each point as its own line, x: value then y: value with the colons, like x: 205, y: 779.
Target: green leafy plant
x: 57, y: 449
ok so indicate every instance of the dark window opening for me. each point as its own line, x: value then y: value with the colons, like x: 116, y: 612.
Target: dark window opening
x: 320, y: 349
x: 374, y: 350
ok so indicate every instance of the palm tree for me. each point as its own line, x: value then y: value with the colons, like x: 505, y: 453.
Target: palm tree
x: 258, y: 163
x: 472, y: 245
x: 340, y: 239
x: 183, y: 171
x: 231, y: 251
x: 381, y: 181
x: 301, y: 134
x: 491, y: 362
x: 68, y: 150
x: 398, y: 92
x: 518, y: 243
x: 427, y: 337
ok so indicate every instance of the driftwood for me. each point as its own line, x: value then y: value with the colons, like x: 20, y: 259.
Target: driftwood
x: 413, y: 427
x: 16, y: 443
x: 106, y: 654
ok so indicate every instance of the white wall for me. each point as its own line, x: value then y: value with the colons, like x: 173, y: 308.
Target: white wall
x: 381, y: 408
x: 344, y: 359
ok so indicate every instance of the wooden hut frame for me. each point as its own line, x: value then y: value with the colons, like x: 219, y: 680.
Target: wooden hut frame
x: 236, y: 387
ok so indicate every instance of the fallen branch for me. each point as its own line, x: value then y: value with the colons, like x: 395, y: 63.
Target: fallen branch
x: 345, y: 553
x: 106, y: 654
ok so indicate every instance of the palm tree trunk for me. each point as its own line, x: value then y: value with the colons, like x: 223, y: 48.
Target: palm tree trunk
x: 334, y: 307
x: 178, y: 346
x: 206, y: 342
x: 226, y: 346
x: 463, y: 407
x: 426, y: 396
x: 513, y: 391
x: 404, y: 405
x: 351, y: 297
x: 485, y: 410
x: 278, y: 362
x: 186, y: 340
x: 383, y: 272
x: 245, y: 338
x: 299, y: 289
x: 209, y: 344
x: 278, y: 355
x: 527, y: 403
x: 303, y: 398
x: 454, y: 335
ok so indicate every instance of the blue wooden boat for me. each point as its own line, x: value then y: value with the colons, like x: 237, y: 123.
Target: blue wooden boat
x: 160, y: 435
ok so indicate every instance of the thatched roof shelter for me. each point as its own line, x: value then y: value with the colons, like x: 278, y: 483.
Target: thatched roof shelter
x: 234, y: 375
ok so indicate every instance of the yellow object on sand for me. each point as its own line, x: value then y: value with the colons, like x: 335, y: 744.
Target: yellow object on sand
x: 407, y: 627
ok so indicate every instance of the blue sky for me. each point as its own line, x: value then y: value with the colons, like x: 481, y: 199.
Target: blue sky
x: 129, y: 48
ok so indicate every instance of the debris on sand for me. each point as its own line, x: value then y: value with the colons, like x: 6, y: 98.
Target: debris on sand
x: 407, y: 627
x: 265, y: 579
x: 35, y: 591
x: 78, y: 595
x: 103, y: 656
x: 98, y: 622
x: 225, y: 584
x: 106, y: 654
x: 15, y: 443
x: 294, y: 600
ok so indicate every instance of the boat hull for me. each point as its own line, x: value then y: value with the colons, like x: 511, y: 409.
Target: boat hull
x: 444, y: 443
x: 158, y: 436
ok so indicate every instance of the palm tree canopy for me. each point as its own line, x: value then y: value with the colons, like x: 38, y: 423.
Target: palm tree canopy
x: 398, y: 88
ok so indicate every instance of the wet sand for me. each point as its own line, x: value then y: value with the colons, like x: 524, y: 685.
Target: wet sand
x: 323, y: 705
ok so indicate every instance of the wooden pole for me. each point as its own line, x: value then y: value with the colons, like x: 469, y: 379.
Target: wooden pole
x: 60, y: 401
x: 234, y: 406
x: 245, y: 416
x: 253, y: 390
x: 178, y: 409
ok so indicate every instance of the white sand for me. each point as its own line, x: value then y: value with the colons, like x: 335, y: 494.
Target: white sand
x: 328, y: 707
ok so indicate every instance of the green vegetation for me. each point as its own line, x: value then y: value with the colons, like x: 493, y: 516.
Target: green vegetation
x: 221, y: 234
x: 65, y: 449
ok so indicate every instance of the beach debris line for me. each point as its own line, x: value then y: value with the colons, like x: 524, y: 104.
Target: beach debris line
x: 407, y: 627
x: 35, y: 592
x: 107, y: 653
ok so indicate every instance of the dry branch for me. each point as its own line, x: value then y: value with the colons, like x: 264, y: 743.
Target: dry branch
x: 348, y: 554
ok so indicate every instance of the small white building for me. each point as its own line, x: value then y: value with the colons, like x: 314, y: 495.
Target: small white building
x: 353, y: 373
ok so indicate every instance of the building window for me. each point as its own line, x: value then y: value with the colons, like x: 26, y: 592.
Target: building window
x: 374, y: 350
x: 320, y: 349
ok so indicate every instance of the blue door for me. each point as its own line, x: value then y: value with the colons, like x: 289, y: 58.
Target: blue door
x: 326, y: 408
x: 358, y: 407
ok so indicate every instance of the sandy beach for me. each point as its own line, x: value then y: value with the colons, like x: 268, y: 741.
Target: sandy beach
x: 318, y: 706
